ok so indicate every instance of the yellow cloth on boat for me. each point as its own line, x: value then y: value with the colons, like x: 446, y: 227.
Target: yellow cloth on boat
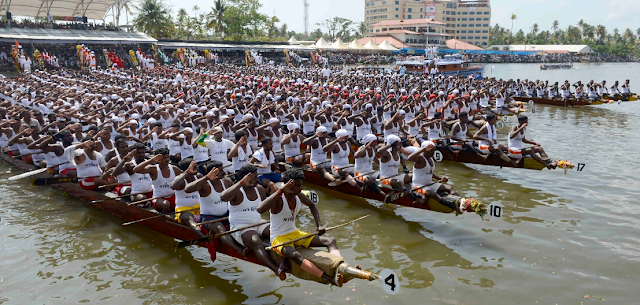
x: 194, y: 212
x: 323, y: 260
x: 291, y: 236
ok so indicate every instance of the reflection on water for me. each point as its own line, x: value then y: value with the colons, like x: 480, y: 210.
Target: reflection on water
x: 560, y: 237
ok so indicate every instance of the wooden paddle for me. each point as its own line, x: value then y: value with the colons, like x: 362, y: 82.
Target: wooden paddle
x: 345, y: 181
x: 157, y: 216
x: 27, y: 174
x: 212, y: 221
x: 209, y: 238
x: 113, y: 184
x: 313, y: 234
x: 31, y: 173
x: 116, y: 197
x: 145, y: 200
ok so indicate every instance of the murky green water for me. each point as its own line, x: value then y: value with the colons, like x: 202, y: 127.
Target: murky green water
x: 560, y: 237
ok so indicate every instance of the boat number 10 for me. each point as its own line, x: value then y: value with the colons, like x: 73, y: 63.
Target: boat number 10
x: 495, y: 210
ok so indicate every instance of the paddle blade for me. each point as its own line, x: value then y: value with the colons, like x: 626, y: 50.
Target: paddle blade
x: 27, y: 174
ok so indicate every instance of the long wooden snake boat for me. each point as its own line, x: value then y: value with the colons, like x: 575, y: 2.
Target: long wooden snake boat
x: 557, y: 101
x: 167, y: 226
x: 465, y: 156
x: 315, y: 178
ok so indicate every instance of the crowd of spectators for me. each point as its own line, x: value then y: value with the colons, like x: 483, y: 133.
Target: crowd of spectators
x: 62, y: 25
x: 549, y: 58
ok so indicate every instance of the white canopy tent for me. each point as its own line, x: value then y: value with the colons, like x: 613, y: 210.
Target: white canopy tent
x: 385, y: 45
x: 371, y: 46
x: 339, y: 45
x: 322, y: 44
x: 293, y: 40
x: 355, y: 45
x: 92, y: 9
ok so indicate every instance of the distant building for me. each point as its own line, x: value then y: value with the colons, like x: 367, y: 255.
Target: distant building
x: 416, y: 33
x: 465, y: 20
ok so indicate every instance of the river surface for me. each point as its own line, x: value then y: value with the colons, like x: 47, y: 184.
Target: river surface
x: 565, y: 239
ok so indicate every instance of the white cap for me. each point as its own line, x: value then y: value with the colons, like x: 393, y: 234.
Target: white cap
x: 341, y: 132
x: 427, y: 143
x: 293, y: 126
x: 368, y: 138
x: 392, y: 139
x: 321, y: 129
x: 217, y: 129
x: 273, y: 120
x: 401, y: 112
x: 209, y: 113
x: 188, y: 129
x: 151, y: 121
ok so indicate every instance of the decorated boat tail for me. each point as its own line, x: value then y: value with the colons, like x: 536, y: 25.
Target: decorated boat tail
x: 166, y: 225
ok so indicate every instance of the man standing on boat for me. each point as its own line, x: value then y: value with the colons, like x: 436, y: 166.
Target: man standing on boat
x: 283, y: 206
x: 244, y: 198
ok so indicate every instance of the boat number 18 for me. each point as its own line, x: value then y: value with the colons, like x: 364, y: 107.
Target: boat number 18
x: 389, y: 281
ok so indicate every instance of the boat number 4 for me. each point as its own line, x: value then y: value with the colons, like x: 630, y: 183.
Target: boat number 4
x: 389, y: 281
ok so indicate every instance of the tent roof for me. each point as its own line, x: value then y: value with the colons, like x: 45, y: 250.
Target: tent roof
x: 322, y: 44
x: 380, y: 39
x: 293, y: 40
x: 385, y: 45
x: 456, y: 44
x: 371, y: 46
x: 93, y: 9
x: 339, y: 45
x: 355, y: 45
x: 72, y: 36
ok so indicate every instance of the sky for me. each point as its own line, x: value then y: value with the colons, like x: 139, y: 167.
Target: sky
x: 622, y: 14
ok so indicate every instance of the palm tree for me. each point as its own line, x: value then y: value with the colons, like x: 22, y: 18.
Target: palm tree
x: 555, y: 26
x: 629, y: 36
x: 601, y: 31
x: 216, y: 17
x: 513, y: 17
x: 284, y: 30
x: 195, y: 9
x: 153, y: 18
x: 182, y: 19
x: 362, y: 28
x: 535, y: 29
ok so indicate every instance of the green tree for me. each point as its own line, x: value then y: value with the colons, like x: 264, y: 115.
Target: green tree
x: 153, y: 18
x: 555, y: 26
x: 216, y: 20
x: 513, y: 17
